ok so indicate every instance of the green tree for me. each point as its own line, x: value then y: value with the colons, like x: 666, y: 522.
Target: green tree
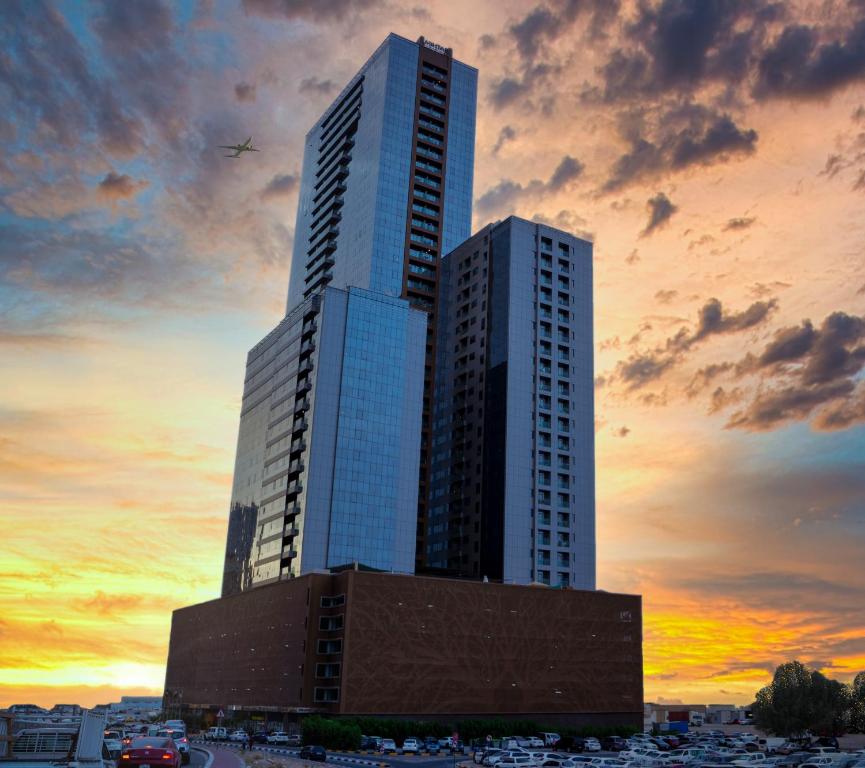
x: 800, y: 699
x: 857, y: 703
x: 783, y: 706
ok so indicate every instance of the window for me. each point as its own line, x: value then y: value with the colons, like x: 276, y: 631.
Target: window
x: 329, y: 646
x: 332, y: 601
x: 327, y: 670
x: 326, y: 695
x: 330, y: 623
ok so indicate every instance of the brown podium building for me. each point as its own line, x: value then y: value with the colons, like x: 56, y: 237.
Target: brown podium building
x: 367, y: 643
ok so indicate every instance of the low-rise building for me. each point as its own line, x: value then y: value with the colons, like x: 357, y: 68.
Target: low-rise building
x: 355, y: 642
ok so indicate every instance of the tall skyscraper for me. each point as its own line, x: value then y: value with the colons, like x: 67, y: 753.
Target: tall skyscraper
x: 337, y: 397
x: 386, y: 189
x: 513, y: 493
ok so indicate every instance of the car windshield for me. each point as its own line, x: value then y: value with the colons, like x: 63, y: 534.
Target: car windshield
x: 150, y: 742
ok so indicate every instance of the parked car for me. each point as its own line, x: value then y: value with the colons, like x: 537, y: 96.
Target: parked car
x: 180, y: 741
x: 480, y: 754
x: 534, y: 742
x: 217, y: 733
x: 516, y: 761
x: 410, y: 745
x: 591, y: 744
x: 313, y: 752
x: 613, y: 743
x: 431, y: 745
x: 570, y: 744
x: 238, y: 735
x: 388, y: 746
x: 114, y: 747
x: 277, y: 737
x: 503, y: 753
x: 749, y: 759
x: 151, y: 751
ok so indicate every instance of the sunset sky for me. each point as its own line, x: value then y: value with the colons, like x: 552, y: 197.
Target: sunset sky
x: 713, y: 149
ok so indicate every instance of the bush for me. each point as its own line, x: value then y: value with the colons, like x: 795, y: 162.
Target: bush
x: 331, y: 734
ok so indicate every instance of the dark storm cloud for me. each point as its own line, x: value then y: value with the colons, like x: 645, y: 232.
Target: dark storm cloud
x: 675, y: 45
x: 280, y: 185
x: 50, y: 84
x: 835, y: 351
x: 802, y: 369
x: 778, y: 406
x: 706, y: 138
x: 642, y: 368
x: 544, y: 24
x: 799, y: 65
x: 244, y: 92
x: 660, y: 209
x: 314, y: 10
x: 315, y: 86
x: 744, y: 222
x: 536, y: 62
x: 506, y: 134
x: 507, y: 193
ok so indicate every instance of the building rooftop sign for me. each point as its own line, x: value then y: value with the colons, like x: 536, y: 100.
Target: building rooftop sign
x: 435, y: 47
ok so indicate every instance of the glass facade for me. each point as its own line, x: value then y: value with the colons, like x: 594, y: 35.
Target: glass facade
x: 357, y: 167
x: 329, y: 441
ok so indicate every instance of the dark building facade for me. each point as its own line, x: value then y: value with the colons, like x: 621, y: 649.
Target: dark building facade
x: 513, y: 493
x: 366, y: 643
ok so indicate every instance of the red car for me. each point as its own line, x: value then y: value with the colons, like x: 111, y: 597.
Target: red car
x: 150, y: 752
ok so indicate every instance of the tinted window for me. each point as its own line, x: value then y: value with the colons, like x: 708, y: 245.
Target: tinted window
x: 151, y: 742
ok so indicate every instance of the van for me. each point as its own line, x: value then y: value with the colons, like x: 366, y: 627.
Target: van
x: 217, y: 733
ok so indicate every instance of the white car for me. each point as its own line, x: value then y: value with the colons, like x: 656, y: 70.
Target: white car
x: 238, y: 736
x: 277, y: 737
x: 533, y: 742
x: 607, y: 762
x: 492, y: 760
x: 591, y: 744
x: 410, y: 745
x: 387, y: 745
x: 751, y: 757
x: 516, y: 761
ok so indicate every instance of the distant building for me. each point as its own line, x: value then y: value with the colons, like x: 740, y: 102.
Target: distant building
x: 513, y: 495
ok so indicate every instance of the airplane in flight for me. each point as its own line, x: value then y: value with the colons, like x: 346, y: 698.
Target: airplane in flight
x: 238, y: 148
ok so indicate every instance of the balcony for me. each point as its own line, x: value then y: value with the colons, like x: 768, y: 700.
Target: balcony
x: 423, y: 239
x: 415, y: 253
x: 301, y: 405
x: 430, y: 139
x: 424, y: 209
x: 426, y: 109
x: 431, y: 153
x: 299, y: 426
x: 302, y: 387
x: 431, y: 125
x: 431, y: 167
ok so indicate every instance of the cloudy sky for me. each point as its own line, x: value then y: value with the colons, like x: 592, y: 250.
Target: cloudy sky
x: 713, y: 149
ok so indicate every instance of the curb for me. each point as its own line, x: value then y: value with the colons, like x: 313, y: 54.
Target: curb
x: 290, y: 752
x: 209, y: 761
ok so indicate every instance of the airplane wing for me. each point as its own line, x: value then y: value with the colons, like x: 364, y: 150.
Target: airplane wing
x: 248, y: 142
x: 227, y: 146
x: 236, y: 154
